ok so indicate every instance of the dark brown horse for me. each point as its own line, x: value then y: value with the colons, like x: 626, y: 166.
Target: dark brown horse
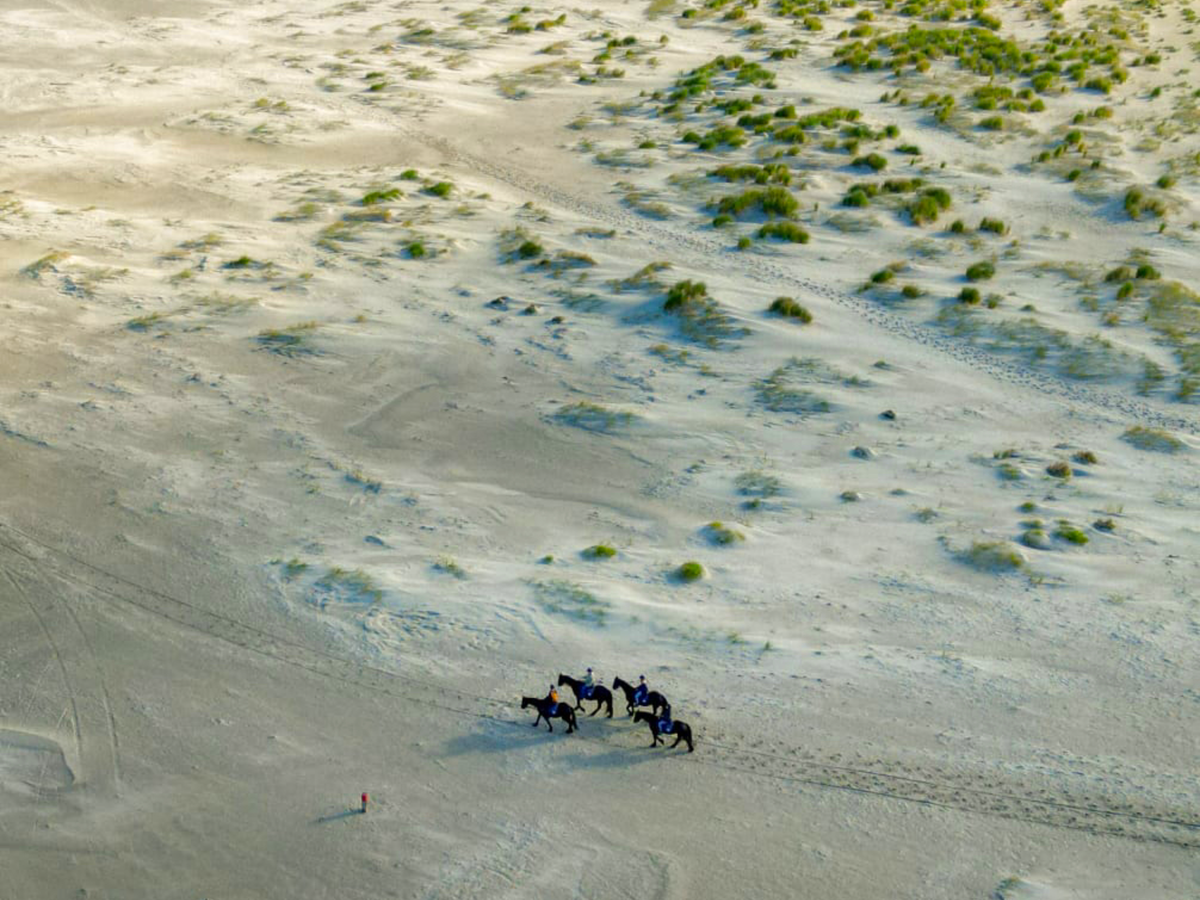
x: 654, y: 699
x: 544, y: 705
x: 681, y: 730
x: 600, y: 694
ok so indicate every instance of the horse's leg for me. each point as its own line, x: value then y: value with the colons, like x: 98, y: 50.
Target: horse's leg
x: 538, y: 720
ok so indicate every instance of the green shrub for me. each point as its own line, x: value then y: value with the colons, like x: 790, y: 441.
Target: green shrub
x: 441, y: 189
x: 1120, y: 273
x: 787, y: 306
x: 600, y: 551
x: 883, y: 276
x: 910, y: 292
x: 1147, y: 272
x: 995, y: 226
x: 417, y: 250
x: 968, y: 295
x: 958, y: 226
x: 719, y: 533
x: 409, y: 175
x: 992, y: 123
x: 873, y: 161
x: 373, y: 197
x: 690, y: 571
x: 1086, y: 457
x: 1059, y: 470
x: 772, y: 201
x: 981, y: 271
x: 785, y: 231
x: 993, y: 556
x: 910, y: 149
x: 926, y: 207
x: 682, y: 293
x: 528, y: 249
x: 1069, y: 532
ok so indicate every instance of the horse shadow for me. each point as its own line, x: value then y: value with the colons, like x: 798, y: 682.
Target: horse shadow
x: 498, y: 741
x: 619, y: 758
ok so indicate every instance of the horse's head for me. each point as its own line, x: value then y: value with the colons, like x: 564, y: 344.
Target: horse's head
x: 562, y: 679
x: 616, y: 682
x: 527, y: 702
x: 642, y: 717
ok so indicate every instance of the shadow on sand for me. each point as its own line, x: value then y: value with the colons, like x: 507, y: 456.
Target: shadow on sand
x: 334, y: 817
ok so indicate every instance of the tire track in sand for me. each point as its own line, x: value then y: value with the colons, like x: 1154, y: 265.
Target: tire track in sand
x: 1175, y: 823
x: 96, y: 745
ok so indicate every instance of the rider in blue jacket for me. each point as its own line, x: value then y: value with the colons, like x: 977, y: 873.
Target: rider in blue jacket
x: 641, y: 692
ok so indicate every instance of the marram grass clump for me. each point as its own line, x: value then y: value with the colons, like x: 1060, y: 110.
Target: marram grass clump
x: 993, y: 556
x: 1155, y: 439
x: 600, y: 551
x: 690, y: 571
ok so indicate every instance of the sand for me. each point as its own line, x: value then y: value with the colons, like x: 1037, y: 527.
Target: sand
x: 327, y: 360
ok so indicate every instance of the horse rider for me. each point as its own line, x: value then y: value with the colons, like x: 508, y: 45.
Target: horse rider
x: 641, y: 692
x: 587, y: 685
x: 553, y: 698
x: 664, y: 720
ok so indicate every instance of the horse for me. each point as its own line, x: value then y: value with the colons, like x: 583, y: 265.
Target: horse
x: 682, y: 730
x: 542, y: 705
x: 600, y: 694
x: 654, y: 699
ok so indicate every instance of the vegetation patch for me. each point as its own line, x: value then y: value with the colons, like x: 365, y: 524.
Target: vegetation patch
x: 593, y: 417
x: 290, y: 341
x: 571, y: 600
x: 993, y: 556
x: 1154, y: 439
x: 340, y: 585
x: 789, y: 308
x: 700, y: 317
x: 722, y: 534
x: 690, y: 571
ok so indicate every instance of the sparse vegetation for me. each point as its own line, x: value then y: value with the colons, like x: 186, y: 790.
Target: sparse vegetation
x: 690, y: 571
x: 599, y: 551
x: 993, y: 556
x: 1154, y: 439
x: 789, y: 308
x: 720, y: 533
x: 592, y: 417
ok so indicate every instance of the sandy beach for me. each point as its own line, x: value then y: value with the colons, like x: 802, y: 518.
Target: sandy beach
x: 368, y: 365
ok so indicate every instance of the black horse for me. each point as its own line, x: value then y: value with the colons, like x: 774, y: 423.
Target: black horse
x: 654, y: 699
x: 600, y: 694
x: 681, y: 730
x: 543, y: 705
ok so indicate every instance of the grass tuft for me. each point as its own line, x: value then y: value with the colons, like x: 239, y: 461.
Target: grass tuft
x: 1154, y: 439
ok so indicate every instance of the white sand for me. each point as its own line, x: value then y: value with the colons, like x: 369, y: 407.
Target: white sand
x: 249, y: 573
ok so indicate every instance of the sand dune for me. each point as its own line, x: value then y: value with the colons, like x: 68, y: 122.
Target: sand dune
x: 368, y: 365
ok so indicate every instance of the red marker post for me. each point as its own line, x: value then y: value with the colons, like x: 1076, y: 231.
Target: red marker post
x: 364, y: 803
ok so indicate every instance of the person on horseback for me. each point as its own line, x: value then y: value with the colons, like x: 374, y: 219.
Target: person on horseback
x: 553, y: 698
x: 641, y: 692
x: 664, y: 720
x: 587, y: 685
